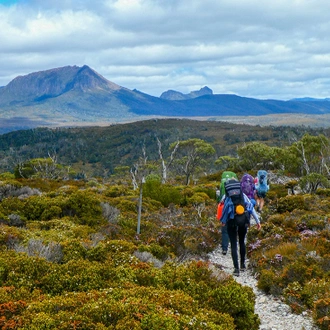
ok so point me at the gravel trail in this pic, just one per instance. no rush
(273, 313)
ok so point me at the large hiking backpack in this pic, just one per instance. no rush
(226, 175)
(247, 185)
(234, 192)
(262, 185)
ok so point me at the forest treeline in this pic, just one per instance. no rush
(98, 151)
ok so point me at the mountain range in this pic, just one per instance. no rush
(75, 96)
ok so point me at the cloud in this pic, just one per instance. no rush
(271, 49)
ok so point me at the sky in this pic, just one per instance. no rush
(270, 49)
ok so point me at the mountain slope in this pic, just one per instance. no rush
(72, 96)
(92, 149)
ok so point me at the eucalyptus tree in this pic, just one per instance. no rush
(45, 168)
(313, 155)
(191, 155)
(255, 155)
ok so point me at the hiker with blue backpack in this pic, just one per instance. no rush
(262, 187)
(235, 217)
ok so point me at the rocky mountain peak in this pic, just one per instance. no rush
(177, 96)
(51, 83)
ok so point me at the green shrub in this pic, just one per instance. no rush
(116, 191)
(24, 271)
(73, 250)
(314, 290)
(270, 282)
(164, 193)
(289, 203)
(159, 321)
(238, 302)
(160, 252)
(293, 296)
(12, 205)
(301, 271)
(84, 207)
(324, 192)
(10, 236)
(125, 204)
(277, 219)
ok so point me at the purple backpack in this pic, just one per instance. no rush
(247, 185)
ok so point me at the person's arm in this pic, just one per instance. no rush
(253, 211)
(227, 211)
(255, 216)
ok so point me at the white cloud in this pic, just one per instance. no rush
(270, 49)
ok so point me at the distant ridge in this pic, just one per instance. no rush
(177, 96)
(310, 99)
(75, 96)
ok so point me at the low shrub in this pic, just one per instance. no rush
(237, 302)
(321, 313)
(270, 282)
(289, 203)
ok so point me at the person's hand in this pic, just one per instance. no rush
(223, 224)
(258, 226)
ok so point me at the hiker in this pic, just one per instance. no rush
(226, 175)
(236, 217)
(262, 188)
(224, 233)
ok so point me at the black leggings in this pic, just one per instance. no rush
(233, 231)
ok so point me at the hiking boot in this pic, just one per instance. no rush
(236, 272)
(243, 267)
(224, 252)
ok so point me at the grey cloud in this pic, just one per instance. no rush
(266, 49)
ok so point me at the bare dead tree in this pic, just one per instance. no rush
(163, 163)
(164, 167)
(173, 154)
(301, 149)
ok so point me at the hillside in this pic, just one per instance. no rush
(76, 96)
(99, 150)
(70, 256)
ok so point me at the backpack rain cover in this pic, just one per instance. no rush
(247, 185)
(226, 175)
(262, 186)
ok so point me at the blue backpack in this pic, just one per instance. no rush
(262, 185)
